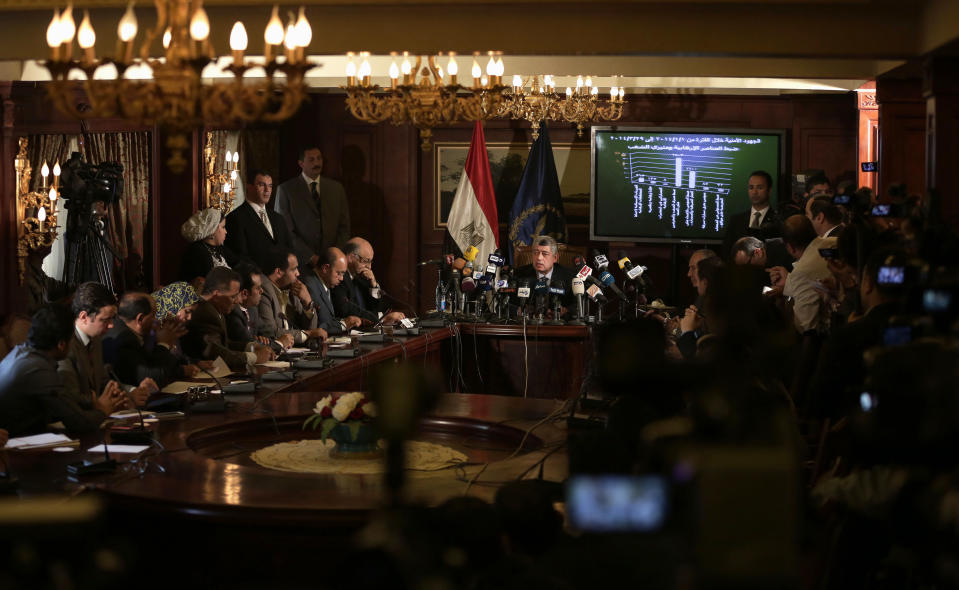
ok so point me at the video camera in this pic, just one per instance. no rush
(82, 182)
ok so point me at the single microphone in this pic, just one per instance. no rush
(523, 292)
(458, 264)
(596, 294)
(541, 291)
(496, 257)
(470, 253)
(139, 436)
(599, 261)
(632, 271)
(467, 285)
(468, 268)
(557, 290)
(578, 289)
(608, 280)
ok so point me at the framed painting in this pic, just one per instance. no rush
(507, 161)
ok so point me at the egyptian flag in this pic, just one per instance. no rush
(472, 220)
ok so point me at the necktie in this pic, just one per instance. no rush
(266, 222)
(316, 199)
(756, 217)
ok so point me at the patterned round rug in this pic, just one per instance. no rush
(313, 456)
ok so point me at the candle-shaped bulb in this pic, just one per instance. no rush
(350, 66)
(579, 82)
(236, 157)
(67, 27)
(53, 196)
(274, 29)
(491, 67)
(42, 214)
(500, 68)
(569, 92)
(56, 168)
(226, 187)
(406, 67)
(127, 29)
(238, 37)
(451, 66)
(86, 36)
(167, 37)
(589, 81)
(613, 93)
(594, 91)
(476, 71)
(53, 31)
(289, 39)
(365, 69)
(547, 80)
(517, 81)
(484, 81)
(200, 25)
(394, 71)
(44, 170)
(304, 32)
(233, 174)
(621, 93)
(439, 72)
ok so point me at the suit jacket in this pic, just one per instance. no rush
(83, 371)
(207, 337)
(241, 327)
(737, 226)
(32, 396)
(323, 304)
(275, 320)
(133, 362)
(311, 235)
(246, 235)
(353, 296)
(560, 273)
(197, 260)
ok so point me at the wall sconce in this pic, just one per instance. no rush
(220, 185)
(36, 210)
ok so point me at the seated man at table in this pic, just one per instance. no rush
(207, 337)
(359, 294)
(84, 372)
(545, 257)
(286, 307)
(31, 389)
(329, 272)
(124, 346)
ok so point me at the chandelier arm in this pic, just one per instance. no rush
(148, 38)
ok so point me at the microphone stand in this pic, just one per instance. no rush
(141, 436)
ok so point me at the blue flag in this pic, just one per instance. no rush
(538, 207)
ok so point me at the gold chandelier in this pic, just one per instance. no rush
(580, 107)
(36, 210)
(170, 91)
(424, 98)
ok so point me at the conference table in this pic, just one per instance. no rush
(199, 479)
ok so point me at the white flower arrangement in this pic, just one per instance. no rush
(352, 409)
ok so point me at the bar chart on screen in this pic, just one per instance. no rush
(682, 190)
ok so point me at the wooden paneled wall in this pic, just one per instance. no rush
(389, 179)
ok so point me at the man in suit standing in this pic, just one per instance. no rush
(326, 276)
(252, 230)
(760, 221)
(315, 209)
(83, 370)
(359, 293)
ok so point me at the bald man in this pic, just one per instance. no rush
(321, 280)
(359, 293)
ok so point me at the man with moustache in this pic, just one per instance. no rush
(315, 209)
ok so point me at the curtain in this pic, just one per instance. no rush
(128, 214)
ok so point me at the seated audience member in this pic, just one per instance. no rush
(31, 387)
(826, 217)
(206, 232)
(836, 386)
(358, 294)
(693, 324)
(329, 272)
(124, 346)
(804, 283)
(207, 336)
(241, 323)
(286, 307)
(693, 271)
(760, 253)
(83, 370)
(176, 299)
(253, 229)
(545, 265)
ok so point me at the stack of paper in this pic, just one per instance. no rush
(46, 440)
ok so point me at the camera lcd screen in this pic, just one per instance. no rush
(897, 336)
(841, 200)
(617, 503)
(880, 211)
(891, 275)
(936, 300)
(829, 252)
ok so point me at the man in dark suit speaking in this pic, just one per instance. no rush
(545, 255)
(760, 220)
(315, 209)
(252, 230)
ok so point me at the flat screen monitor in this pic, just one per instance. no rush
(676, 185)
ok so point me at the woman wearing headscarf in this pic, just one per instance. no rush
(175, 304)
(206, 232)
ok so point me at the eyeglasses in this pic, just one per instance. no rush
(362, 259)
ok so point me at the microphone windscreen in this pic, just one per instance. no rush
(468, 285)
(459, 263)
(578, 287)
(470, 253)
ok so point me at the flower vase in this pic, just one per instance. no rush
(364, 446)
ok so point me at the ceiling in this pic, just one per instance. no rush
(724, 46)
